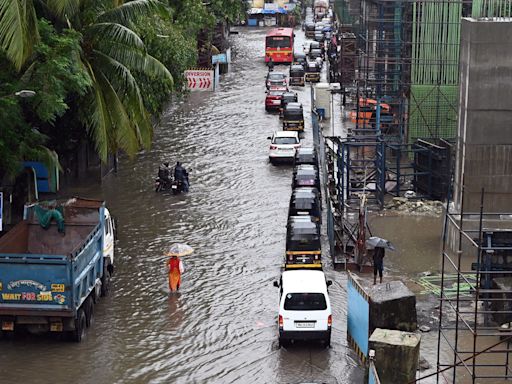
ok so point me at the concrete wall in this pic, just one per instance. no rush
(484, 147)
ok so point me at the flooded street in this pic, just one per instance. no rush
(222, 326)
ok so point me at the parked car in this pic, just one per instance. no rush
(276, 80)
(283, 145)
(273, 100)
(304, 306)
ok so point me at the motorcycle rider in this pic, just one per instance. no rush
(181, 174)
(164, 173)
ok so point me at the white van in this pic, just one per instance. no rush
(304, 306)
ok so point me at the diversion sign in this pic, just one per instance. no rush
(200, 79)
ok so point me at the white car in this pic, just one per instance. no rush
(283, 145)
(304, 306)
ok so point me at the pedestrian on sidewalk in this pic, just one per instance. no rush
(378, 264)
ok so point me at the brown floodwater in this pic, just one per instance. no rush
(222, 325)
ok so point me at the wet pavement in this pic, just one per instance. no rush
(222, 326)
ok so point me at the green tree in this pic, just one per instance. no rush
(174, 48)
(112, 109)
(18, 140)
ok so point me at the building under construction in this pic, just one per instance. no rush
(407, 63)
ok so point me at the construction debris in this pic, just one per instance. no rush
(415, 206)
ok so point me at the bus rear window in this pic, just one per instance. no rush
(305, 302)
(278, 42)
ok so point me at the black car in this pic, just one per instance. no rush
(305, 155)
(306, 175)
(303, 248)
(293, 117)
(297, 74)
(305, 201)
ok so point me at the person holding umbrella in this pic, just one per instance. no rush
(378, 264)
(378, 244)
(175, 265)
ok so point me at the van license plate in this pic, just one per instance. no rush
(309, 324)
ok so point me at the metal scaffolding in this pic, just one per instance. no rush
(475, 333)
(408, 64)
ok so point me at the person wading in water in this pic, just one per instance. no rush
(175, 270)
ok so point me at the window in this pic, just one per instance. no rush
(278, 42)
(285, 140)
(305, 302)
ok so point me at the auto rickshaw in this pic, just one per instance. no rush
(312, 72)
(306, 175)
(305, 155)
(303, 248)
(305, 201)
(287, 97)
(310, 29)
(299, 58)
(293, 117)
(297, 75)
(315, 53)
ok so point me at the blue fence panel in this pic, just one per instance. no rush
(373, 376)
(358, 322)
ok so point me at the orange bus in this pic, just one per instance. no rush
(279, 45)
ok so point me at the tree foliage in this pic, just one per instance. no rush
(100, 66)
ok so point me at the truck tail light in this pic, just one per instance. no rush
(329, 321)
(281, 321)
(7, 325)
(316, 257)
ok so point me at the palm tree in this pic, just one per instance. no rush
(112, 110)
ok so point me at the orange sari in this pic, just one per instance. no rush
(174, 274)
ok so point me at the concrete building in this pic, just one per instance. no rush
(484, 140)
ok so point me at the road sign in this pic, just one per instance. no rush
(200, 79)
(220, 58)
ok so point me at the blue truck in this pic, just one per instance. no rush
(54, 267)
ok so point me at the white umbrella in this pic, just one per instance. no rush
(179, 249)
(378, 242)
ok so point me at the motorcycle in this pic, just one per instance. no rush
(176, 186)
(162, 185)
